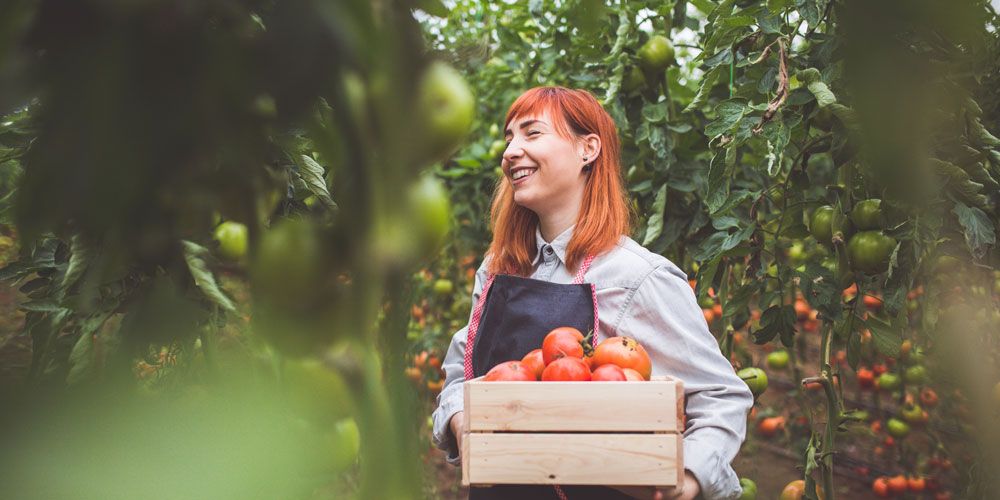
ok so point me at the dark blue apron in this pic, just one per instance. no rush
(516, 315)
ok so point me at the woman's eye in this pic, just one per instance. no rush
(533, 132)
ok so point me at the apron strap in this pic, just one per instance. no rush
(477, 314)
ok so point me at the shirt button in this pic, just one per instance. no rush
(548, 250)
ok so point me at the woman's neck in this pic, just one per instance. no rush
(554, 225)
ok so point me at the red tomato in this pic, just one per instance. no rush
(866, 378)
(928, 397)
(770, 426)
(566, 369)
(898, 484)
(564, 341)
(509, 371)
(916, 484)
(609, 373)
(624, 352)
(881, 487)
(632, 375)
(534, 363)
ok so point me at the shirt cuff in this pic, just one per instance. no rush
(450, 403)
(717, 480)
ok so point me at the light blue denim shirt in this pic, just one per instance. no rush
(645, 296)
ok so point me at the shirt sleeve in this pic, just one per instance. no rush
(452, 397)
(663, 315)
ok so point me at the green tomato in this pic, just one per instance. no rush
(286, 267)
(344, 442)
(497, 148)
(913, 414)
(915, 375)
(232, 238)
(821, 224)
(634, 80)
(443, 287)
(315, 392)
(431, 208)
(870, 251)
(447, 105)
(656, 54)
(749, 489)
(777, 360)
(867, 214)
(897, 428)
(755, 378)
(888, 381)
(797, 253)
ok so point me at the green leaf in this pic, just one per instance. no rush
(707, 82)
(775, 320)
(979, 232)
(79, 258)
(433, 7)
(654, 113)
(81, 359)
(194, 255)
(824, 97)
(886, 337)
(718, 183)
(313, 176)
(809, 12)
(738, 21)
(729, 113)
(655, 224)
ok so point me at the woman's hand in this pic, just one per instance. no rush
(687, 490)
(457, 427)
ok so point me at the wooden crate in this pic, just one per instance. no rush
(594, 433)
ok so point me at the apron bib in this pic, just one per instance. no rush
(511, 319)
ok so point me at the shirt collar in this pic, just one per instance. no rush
(558, 244)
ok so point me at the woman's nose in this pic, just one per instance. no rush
(512, 152)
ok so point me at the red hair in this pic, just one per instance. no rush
(604, 212)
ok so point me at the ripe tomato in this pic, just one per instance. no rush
(632, 375)
(770, 426)
(564, 341)
(795, 490)
(624, 352)
(866, 378)
(566, 369)
(881, 487)
(872, 302)
(534, 363)
(916, 484)
(928, 397)
(509, 371)
(608, 373)
(898, 484)
(802, 309)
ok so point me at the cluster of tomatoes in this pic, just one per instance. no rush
(886, 487)
(567, 355)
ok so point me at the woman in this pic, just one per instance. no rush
(560, 216)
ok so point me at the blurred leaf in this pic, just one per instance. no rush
(979, 232)
(655, 224)
(194, 255)
(886, 337)
(313, 175)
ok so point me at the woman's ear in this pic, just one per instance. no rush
(590, 145)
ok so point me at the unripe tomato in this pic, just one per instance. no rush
(867, 214)
(777, 360)
(314, 391)
(232, 238)
(447, 106)
(915, 375)
(443, 287)
(897, 428)
(821, 224)
(888, 381)
(749, 489)
(430, 209)
(566, 369)
(755, 378)
(655, 55)
(869, 251)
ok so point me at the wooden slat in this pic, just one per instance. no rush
(653, 406)
(594, 459)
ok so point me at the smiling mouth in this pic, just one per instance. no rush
(522, 173)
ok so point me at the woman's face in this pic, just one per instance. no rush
(553, 165)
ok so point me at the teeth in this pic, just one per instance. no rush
(522, 173)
